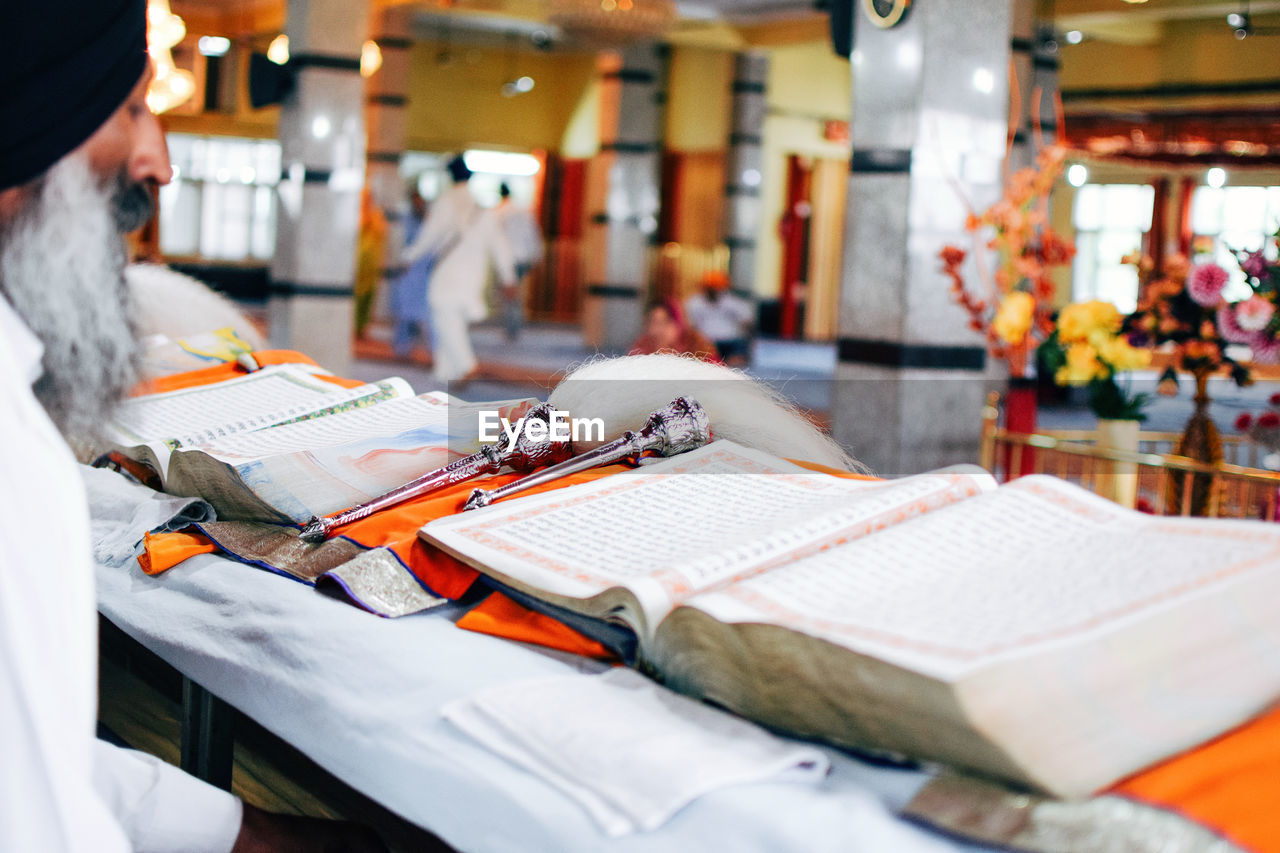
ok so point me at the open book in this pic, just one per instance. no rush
(281, 444)
(1033, 632)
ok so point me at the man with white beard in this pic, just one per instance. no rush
(80, 155)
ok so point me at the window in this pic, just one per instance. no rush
(1231, 219)
(1110, 221)
(221, 203)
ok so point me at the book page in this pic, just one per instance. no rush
(267, 397)
(428, 412)
(685, 524)
(1037, 561)
(321, 466)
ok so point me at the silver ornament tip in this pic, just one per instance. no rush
(479, 498)
(314, 531)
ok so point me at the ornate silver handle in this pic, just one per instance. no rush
(522, 455)
(680, 426)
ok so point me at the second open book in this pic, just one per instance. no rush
(1034, 632)
(285, 444)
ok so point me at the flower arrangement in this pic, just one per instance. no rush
(1183, 306)
(1088, 349)
(1254, 321)
(1016, 310)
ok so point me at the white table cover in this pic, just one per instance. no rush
(362, 697)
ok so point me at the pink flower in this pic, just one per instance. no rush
(1243, 421)
(1254, 313)
(1265, 350)
(1275, 399)
(1230, 328)
(1254, 264)
(1205, 284)
(1268, 420)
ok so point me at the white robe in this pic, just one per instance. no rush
(466, 239)
(61, 789)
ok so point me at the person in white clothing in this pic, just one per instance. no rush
(521, 229)
(723, 317)
(80, 159)
(463, 239)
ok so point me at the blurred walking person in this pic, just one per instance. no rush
(369, 252)
(463, 240)
(522, 232)
(408, 301)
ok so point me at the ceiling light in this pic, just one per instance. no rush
(278, 50)
(501, 162)
(1216, 177)
(370, 58)
(518, 86)
(213, 45)
(1074, 36)
(1077, 175)
(170, 86)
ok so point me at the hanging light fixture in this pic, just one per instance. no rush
(278, 50)
(613, 20)
(171, 85)
(370, 58)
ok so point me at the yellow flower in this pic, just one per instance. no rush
(1013, 318)
(1078, 320)
(1081, 367)
(1118, 353)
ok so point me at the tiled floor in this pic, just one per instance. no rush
(801, 370)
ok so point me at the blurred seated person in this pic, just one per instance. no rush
(666, 330)
(723, 317)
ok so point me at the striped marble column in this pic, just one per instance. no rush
(633, 99)
(744, 168)
(386, 105)
(1034, 53)
(928, 128)
(322, 144)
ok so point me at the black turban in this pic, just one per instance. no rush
(65, 67)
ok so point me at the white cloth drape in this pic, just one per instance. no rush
(60, 788)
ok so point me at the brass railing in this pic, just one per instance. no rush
(1163, 480)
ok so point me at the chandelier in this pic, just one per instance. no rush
(613, 20)
(170, 85)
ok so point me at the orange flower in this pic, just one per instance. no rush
(1176, 267)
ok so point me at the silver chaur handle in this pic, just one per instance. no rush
(680, 426)
(522, 455)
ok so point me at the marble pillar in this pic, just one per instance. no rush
(1034, 53)
(322, 143)
(744, 169)
(387, 100)
(929, 124)
(630, 161)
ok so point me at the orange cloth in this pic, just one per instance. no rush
(499, 616)
(834, 472)
(230, 370)
(1230, 784)
(163, 551)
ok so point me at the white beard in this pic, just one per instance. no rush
(61, 268)
(623, 391)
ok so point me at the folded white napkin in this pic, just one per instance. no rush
(632, 753)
